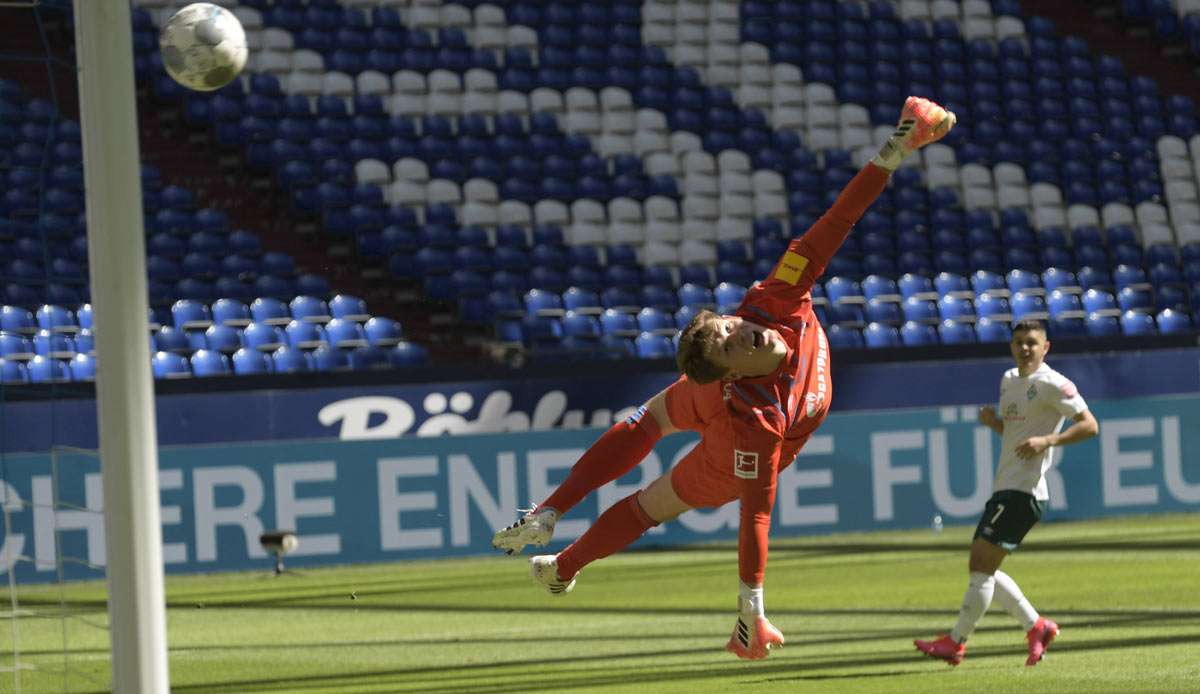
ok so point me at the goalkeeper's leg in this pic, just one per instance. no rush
(618, 527)
(615, 453)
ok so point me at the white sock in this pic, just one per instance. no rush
(975, 603)
(1010, 597)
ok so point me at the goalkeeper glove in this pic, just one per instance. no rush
(753, 635)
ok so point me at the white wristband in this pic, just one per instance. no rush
(750, 601)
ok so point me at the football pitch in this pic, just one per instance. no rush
(1125, 592)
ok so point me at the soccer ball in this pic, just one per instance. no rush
(203, 46)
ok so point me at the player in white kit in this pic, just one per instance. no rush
(1035, 400)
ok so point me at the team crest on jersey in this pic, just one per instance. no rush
(1010, 411)
(745, 464)
(791, 266)
(1032, 392)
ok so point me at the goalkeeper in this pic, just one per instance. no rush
(755, 385)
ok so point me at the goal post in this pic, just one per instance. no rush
(124, 388)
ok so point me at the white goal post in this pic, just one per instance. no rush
(124, 388)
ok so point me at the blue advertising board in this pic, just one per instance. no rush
(423, 497)
(580, 400)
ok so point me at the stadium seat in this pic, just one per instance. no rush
(170, 365)
(953, 332)
(653, 346)
(327, 358)
(914, 333)
(878, 335)
(1138, 323)
(988, 329)
(1100, 325)
(209, 363)
(250, 361)
(845, 337)
(1172, 322)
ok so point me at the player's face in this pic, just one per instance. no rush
(1029, 348)
(745, 348)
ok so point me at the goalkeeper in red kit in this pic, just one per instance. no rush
(755, 385)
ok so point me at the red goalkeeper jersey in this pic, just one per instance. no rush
(752, 428)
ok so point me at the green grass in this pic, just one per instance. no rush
(1124, 592)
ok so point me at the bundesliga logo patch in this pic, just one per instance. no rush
(745, 464)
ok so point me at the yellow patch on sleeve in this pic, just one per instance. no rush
(791, 266)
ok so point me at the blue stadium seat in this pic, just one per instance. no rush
(652, 346)
(843, 290)
(1055, 278)
(344, 333)
(287, 359)
(82, 367)
(656, 321)
(1138, 323)
(17, 319)
(659, 297)
(728, 295)
(620, 299)
(917, 286)
(56, 318)
(169, 339)
(221, 338)
(990, 330)
(309, 309)
(1028, 306)
(14, 347)
(405, 354)
(383, 332)
(13, 372)
(304, 335)
(844, 336)
(620, 323)
(170, 365)
(260, 336)
(327, 358)
(883, 311)
(920, 310)
(54, 345)
(229, 311)
(1099, 325)
(947, 282)
(956, 307)
(1172, 322)
(209, 363)
(270, 310)
(878, 286)
(696, 295)
(583, 301)
(1098, 300)
(880, 335)
(542, 302)
(618, 347)
(249, 361)
(1064, 305)
(580, 326)
(1093, 276)
(1131, 299)
(914, 333)
(953, 332)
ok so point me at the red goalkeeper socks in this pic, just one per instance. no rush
(616, 528)
(615, 453)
